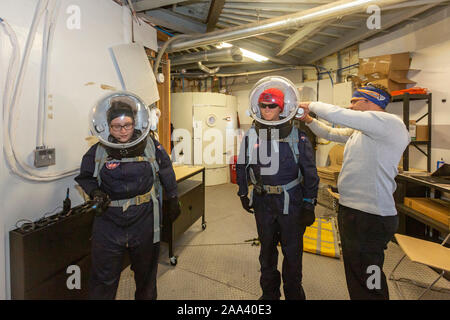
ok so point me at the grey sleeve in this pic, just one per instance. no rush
(370, 123)
(321, 130)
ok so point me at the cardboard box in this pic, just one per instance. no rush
(384, 64)
(422, 132)
(393, 85)
(395, 75)
(438, 210)
(390, 84)
(390, 71)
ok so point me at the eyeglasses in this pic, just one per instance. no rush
(118, 127)
(271, 106)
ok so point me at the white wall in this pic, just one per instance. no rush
(79, 65)
(428, 40)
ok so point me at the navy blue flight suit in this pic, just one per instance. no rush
(273, 226)
(115, 231)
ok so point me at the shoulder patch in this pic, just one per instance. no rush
(111, 165)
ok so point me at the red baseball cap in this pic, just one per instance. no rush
(272, 95)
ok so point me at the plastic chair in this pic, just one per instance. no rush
(330, 173)
(424, 252)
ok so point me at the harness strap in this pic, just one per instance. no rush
(100, 159)
(136, 201)
(156, 191)
(141, 199)
(286, 187)
(253, 180)
(154, 195)
(252, 176)
(283, 189)
(135, 159)
(252, 139)
(293, 140)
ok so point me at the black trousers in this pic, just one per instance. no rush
(364, 237)
(273, 228)
(109, 244)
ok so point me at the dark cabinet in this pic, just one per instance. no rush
(191, 194)
(39, 258)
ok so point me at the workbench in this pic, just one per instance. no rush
(191, 194)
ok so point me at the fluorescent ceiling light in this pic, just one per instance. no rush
(224, 45)
(245, 53)
(254, 56)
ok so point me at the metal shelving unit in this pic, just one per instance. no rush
(406, 98)
(411, 221)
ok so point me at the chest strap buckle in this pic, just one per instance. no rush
(273, 189)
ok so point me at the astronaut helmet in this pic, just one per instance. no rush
(271, 92)
(121, 121)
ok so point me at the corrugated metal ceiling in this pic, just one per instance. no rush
(282, 47)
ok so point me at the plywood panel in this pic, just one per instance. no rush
(145, 34)
(164, 105)
(135, 71)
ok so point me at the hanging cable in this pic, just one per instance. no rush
(13, 86)
(50, 17)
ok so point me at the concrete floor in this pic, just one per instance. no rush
(218, 264)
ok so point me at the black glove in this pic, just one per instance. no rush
(102, 200)
(246, 204)
(173, 208)
(307, 216)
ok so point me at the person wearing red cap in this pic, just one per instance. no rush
(271, 104)
(282, 201)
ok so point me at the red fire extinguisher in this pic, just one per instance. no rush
(233, 162)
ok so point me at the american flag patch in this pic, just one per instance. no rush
(111, 165)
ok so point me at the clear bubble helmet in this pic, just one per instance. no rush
(290, 110)
(99, 125)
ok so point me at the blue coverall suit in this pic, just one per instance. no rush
(115, 231)
(273, 226)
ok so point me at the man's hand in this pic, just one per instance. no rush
(246, 204)
(304, 106)
(306, 117)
